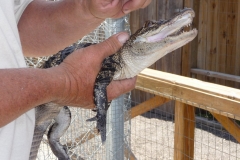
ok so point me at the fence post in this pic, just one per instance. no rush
(115, 115)
(184, 131)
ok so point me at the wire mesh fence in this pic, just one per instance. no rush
(212, 140)
(153, 134)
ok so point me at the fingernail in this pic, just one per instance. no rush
(126, 11)
(122, 37)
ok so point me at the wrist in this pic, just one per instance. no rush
(61, 84)
(68, 87)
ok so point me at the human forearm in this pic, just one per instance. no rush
(23, 89)
(48, 26)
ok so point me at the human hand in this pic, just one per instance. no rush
(113, 8)
(79, 71)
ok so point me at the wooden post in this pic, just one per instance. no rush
(184, 131)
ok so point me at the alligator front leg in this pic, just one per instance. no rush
(101, 101)
(62, 122)
(103, 79)
(102, 105)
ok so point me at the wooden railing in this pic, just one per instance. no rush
(223, 102)
(188, 93)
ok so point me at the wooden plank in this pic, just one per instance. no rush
(208, 96)
(186, 49)
(152, 11)
(231, 39)
(216, 74)
(177, 54)
(237, 62)
(194, 43)
(222, 40)
(229, 125)
(184, 131)
(211, 37)
(202, 34)
(134, 21)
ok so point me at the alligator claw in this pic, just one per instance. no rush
(94, 109)
(92, 119)
(101, 126)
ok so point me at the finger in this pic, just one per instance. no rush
(117, 88)
(135, 4)
(109, 46)
(146, 3)
(104, 8)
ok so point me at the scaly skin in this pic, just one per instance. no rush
(153, 41)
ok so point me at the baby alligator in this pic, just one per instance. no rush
(150, 43)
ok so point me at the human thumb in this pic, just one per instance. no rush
(112, 44)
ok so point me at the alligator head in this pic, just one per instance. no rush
(153, 41)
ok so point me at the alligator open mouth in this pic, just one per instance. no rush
(158, 31)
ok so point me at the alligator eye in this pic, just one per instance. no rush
(152, 23)
(147, 24)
